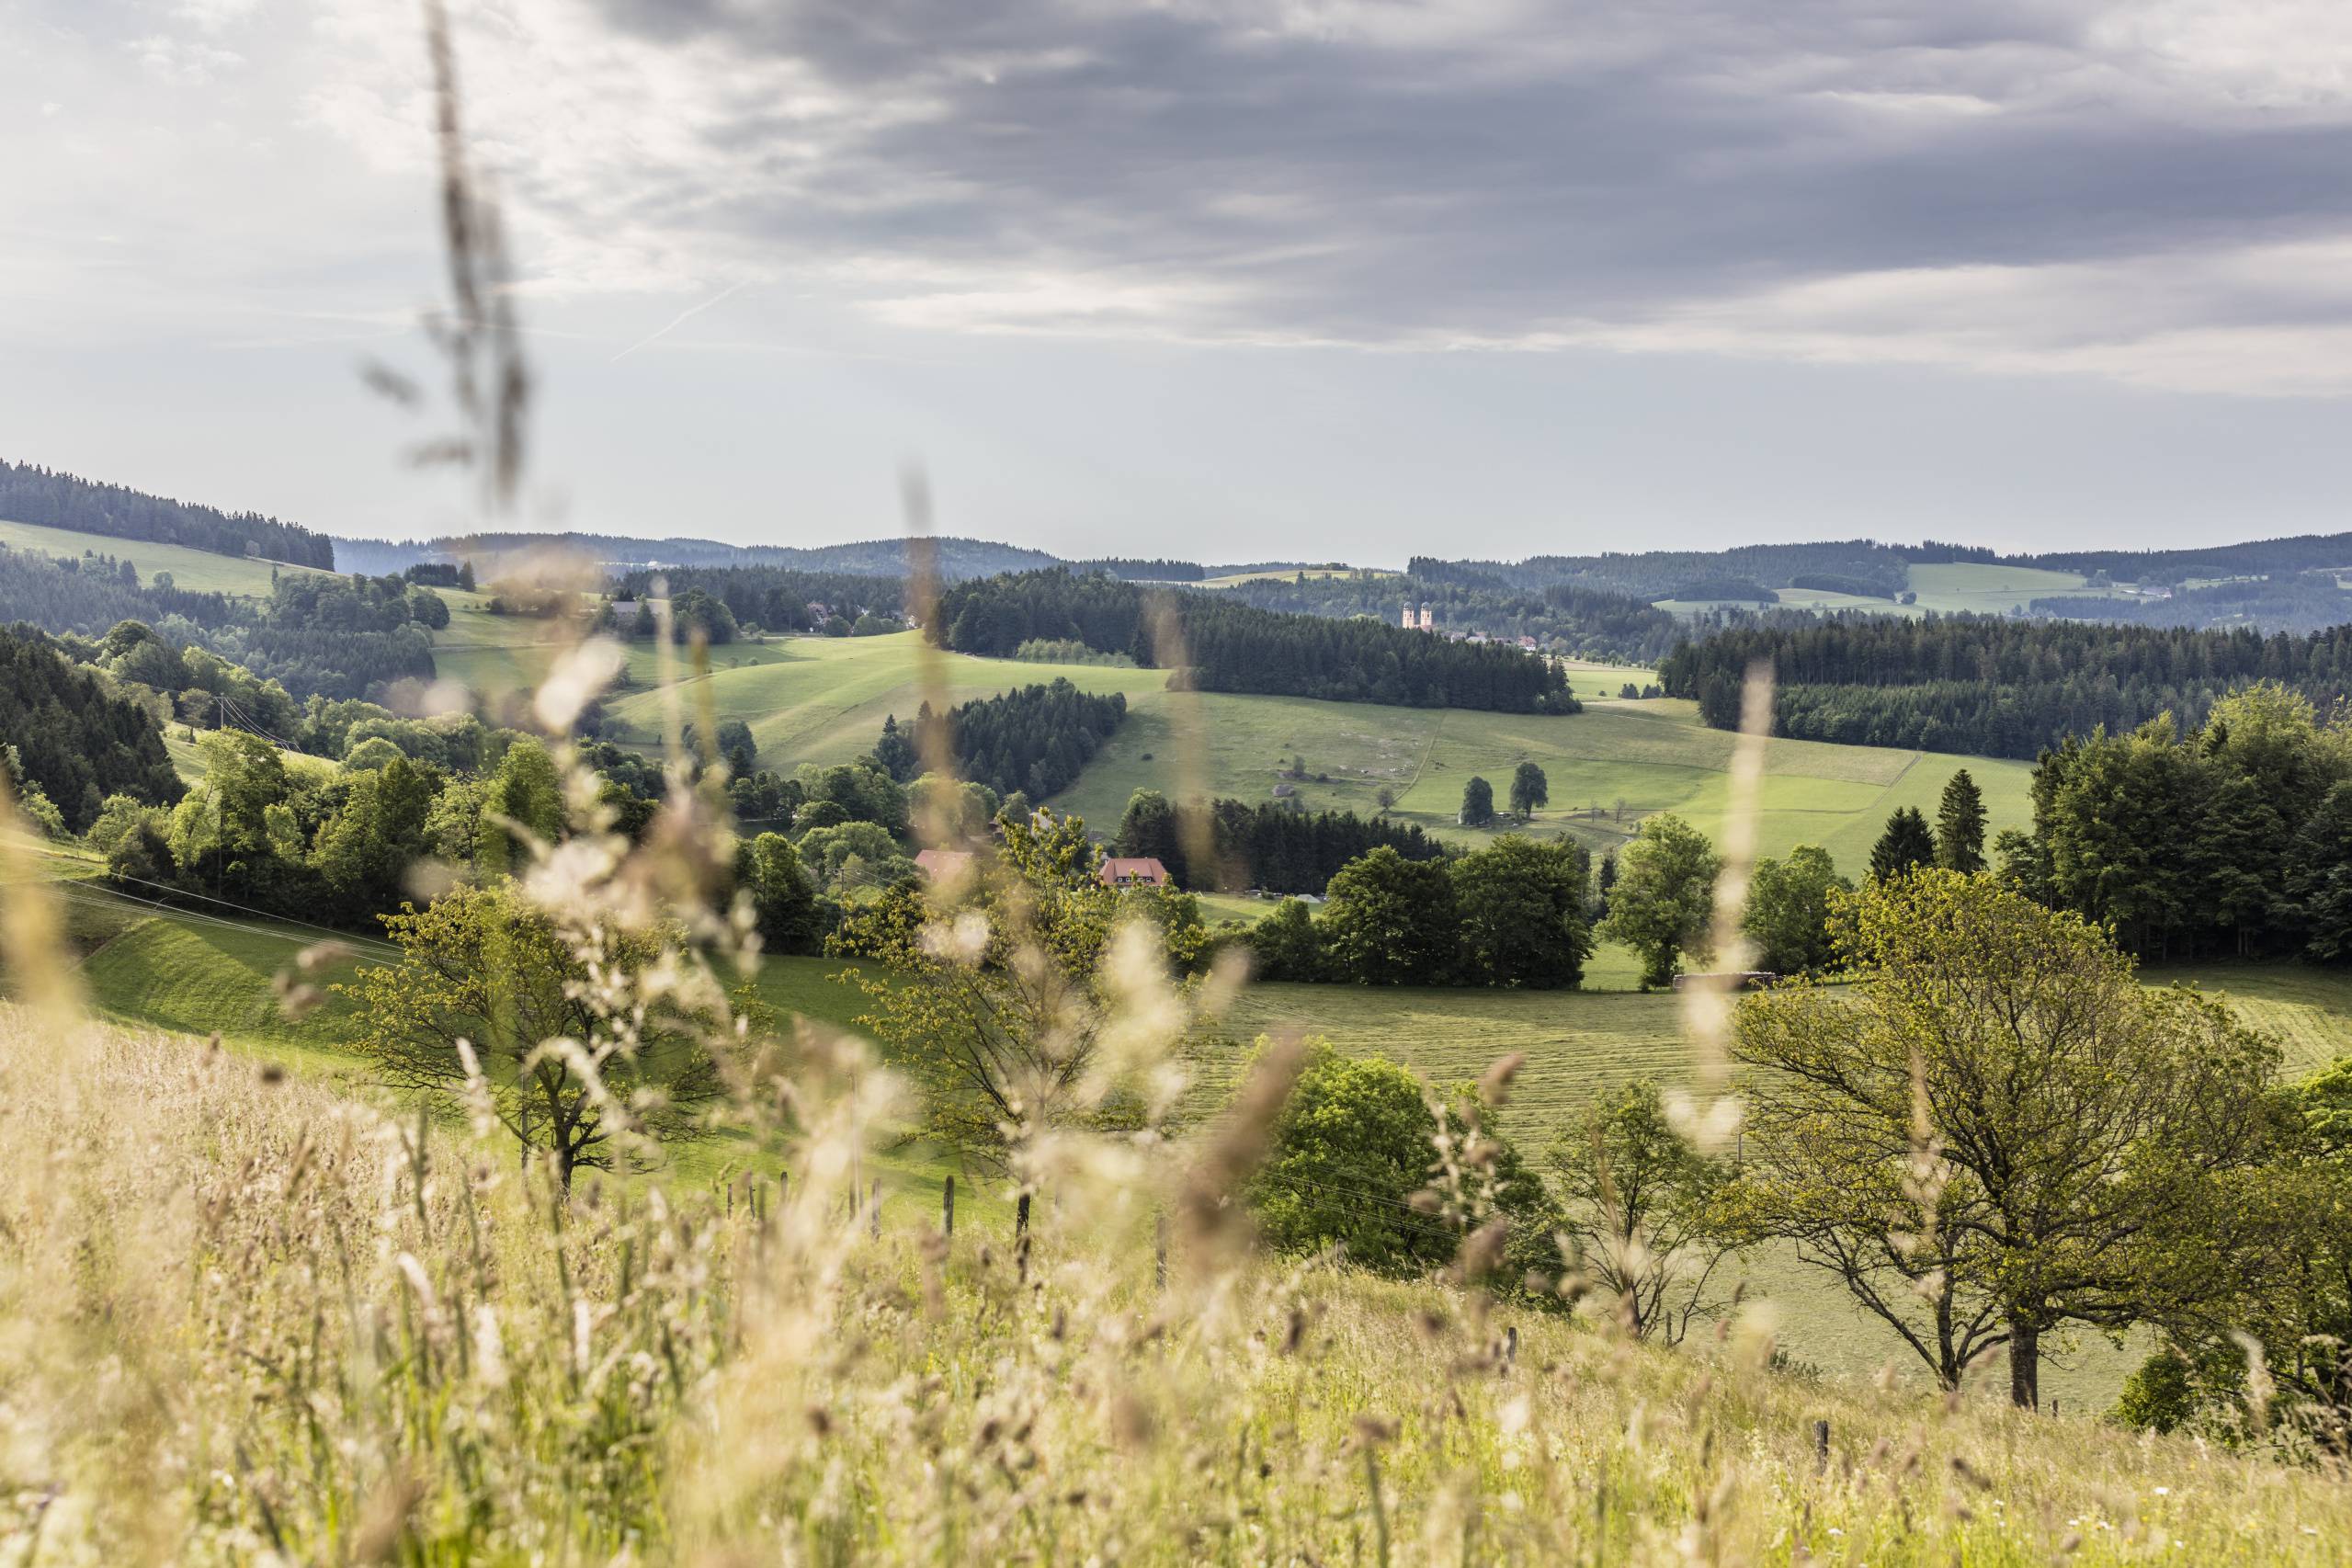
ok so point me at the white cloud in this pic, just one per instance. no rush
(2262, 321)
(181, 60)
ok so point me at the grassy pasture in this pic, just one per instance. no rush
(1654, 754)
(199, 571)
(1990, 589)
(823, 700)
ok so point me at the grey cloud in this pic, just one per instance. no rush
(1337, 181)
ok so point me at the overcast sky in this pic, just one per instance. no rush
(1217, 278)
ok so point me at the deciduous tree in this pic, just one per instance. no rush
(1788, 911)
(1994, 1136)
(1642, 1210)
(485, 972)
(1664, 895)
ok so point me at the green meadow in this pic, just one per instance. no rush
(1653, 755)
(823, 700)
(199, 571)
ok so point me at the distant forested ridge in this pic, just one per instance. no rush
(1883, 569)
(1998, 687)
(956, 557)
(1034, 739)
(72, 737)
(1586, 623)
(59, 500)
(2299, 553)
(2286, 601)
(1267, 846)
(774, 598)
(1233, 646)
(1139, 570)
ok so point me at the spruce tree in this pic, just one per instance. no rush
(1904, 847)
(1960, 826)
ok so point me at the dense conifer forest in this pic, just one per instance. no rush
(1267, 845)
(1232, 646)
(1033, 740)
(71, 737)
(1996, 687)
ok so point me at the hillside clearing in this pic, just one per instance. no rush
(198, 571)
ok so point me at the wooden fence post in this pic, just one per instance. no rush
(1821, 1445)
(874, 1211)
(1160, 1250)
(948, 1208)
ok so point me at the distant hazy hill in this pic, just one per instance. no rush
(958, 558)
(1867, 566)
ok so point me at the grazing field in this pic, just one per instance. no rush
(1990, 589)
(1825, 601)
(1594, 682)
(1653, 755)
(198, 571)
(823, 700)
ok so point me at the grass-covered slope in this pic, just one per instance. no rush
(1653, 755)
(200, 974)
(198, 571)
(352, 1347)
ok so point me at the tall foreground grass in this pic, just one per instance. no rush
(241, 1320)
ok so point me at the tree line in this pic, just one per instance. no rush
(1232, 646)
(1268, 845)
(1993, 687)
(771, 598)
(1033, 740)
(90, 593)
(2301, 601)
(1514, 913)
(56, 499)
(1136, 569)
(2231, 837)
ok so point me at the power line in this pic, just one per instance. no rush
(114, 895)
(248, 909)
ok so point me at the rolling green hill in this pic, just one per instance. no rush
(1950, 587)
(823, 700)
(198, 571)
(1653, 755)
